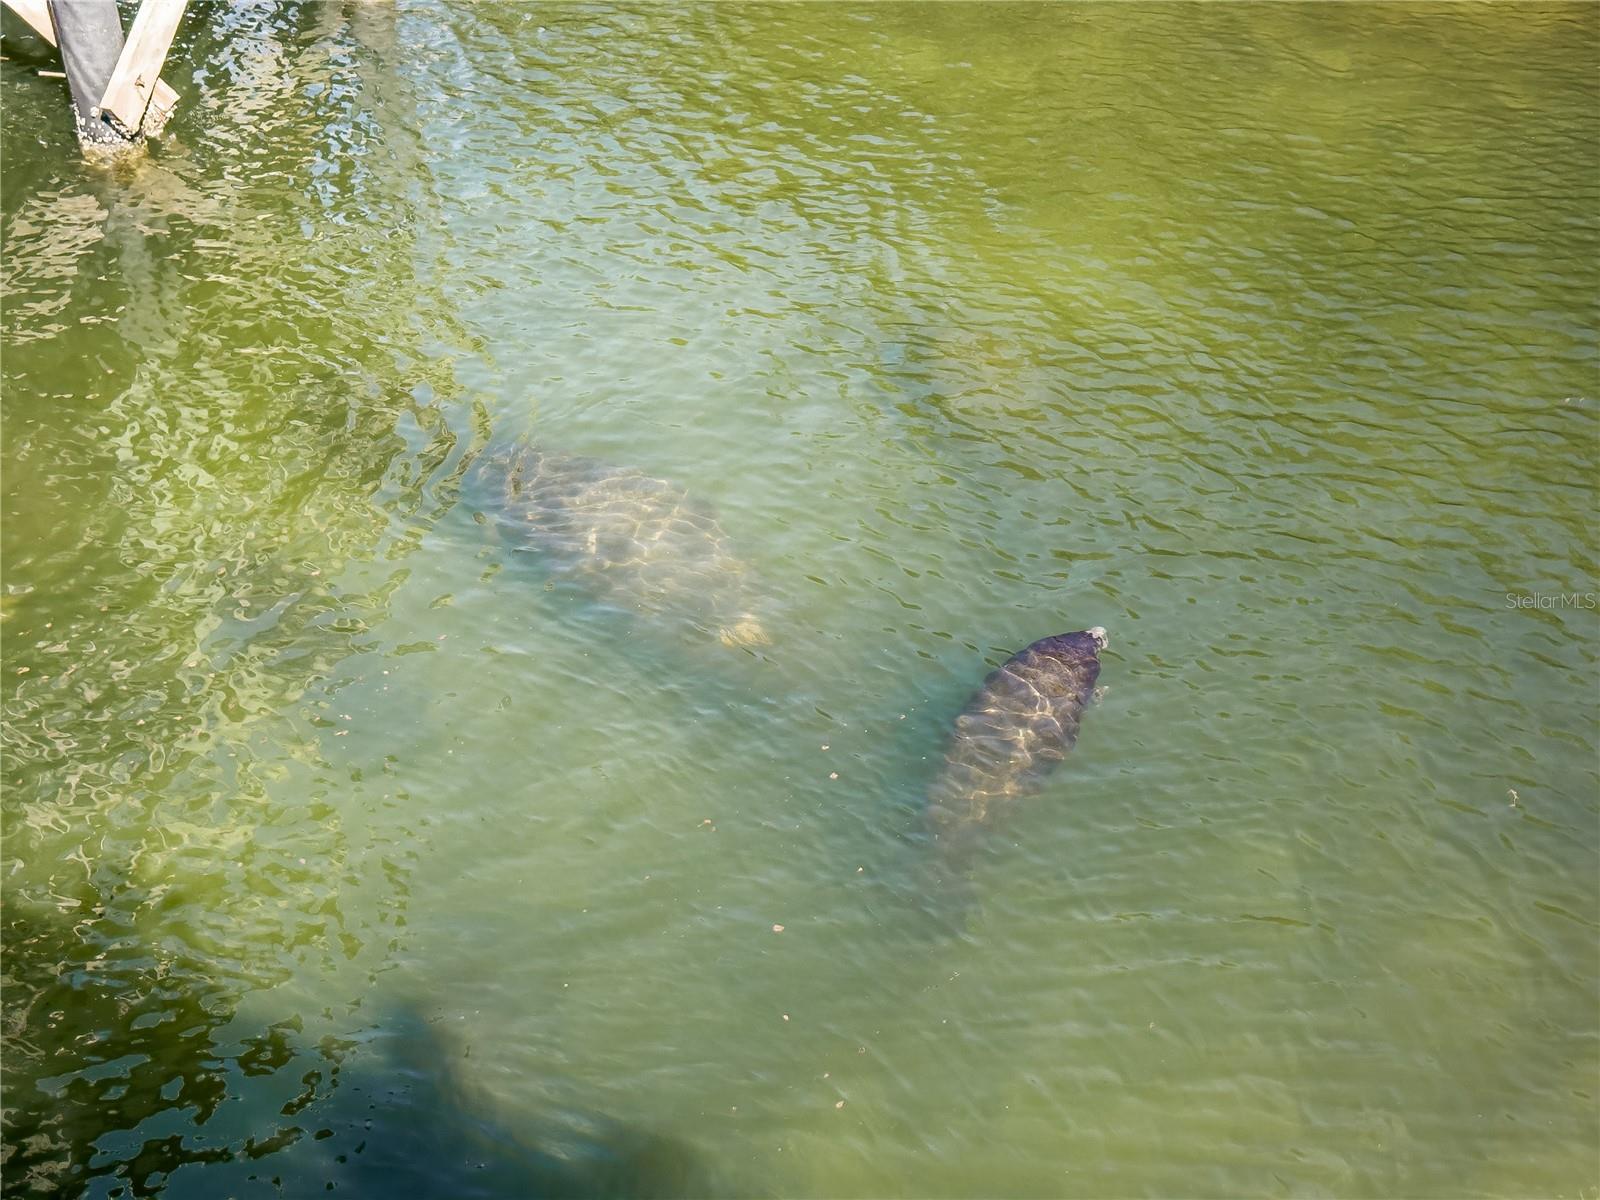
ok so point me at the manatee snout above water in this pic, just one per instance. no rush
(1011, 735)
(622, 537)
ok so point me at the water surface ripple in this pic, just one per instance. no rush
(344, 851)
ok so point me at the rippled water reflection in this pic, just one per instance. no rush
(340, 850)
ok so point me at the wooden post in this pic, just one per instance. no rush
(37, 16)
(89, 34)
(132, 86)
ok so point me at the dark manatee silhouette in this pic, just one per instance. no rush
(1013, 732)
(621, 537)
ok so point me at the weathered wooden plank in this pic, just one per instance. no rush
(162, 102)
(89, 35)
(133, 81)
(37, 15)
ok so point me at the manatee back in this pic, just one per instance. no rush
(1014, 731)
(620, 536)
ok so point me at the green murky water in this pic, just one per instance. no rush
(340, 854)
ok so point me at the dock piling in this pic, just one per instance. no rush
(89, 36)
(37, 17)
(118, 95)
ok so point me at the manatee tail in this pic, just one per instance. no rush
(944, 892)
(954, 909)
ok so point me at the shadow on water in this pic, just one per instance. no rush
(118, 1080)
(412, 1121)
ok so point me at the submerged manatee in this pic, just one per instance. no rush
(622, 537)
(1011, 734)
